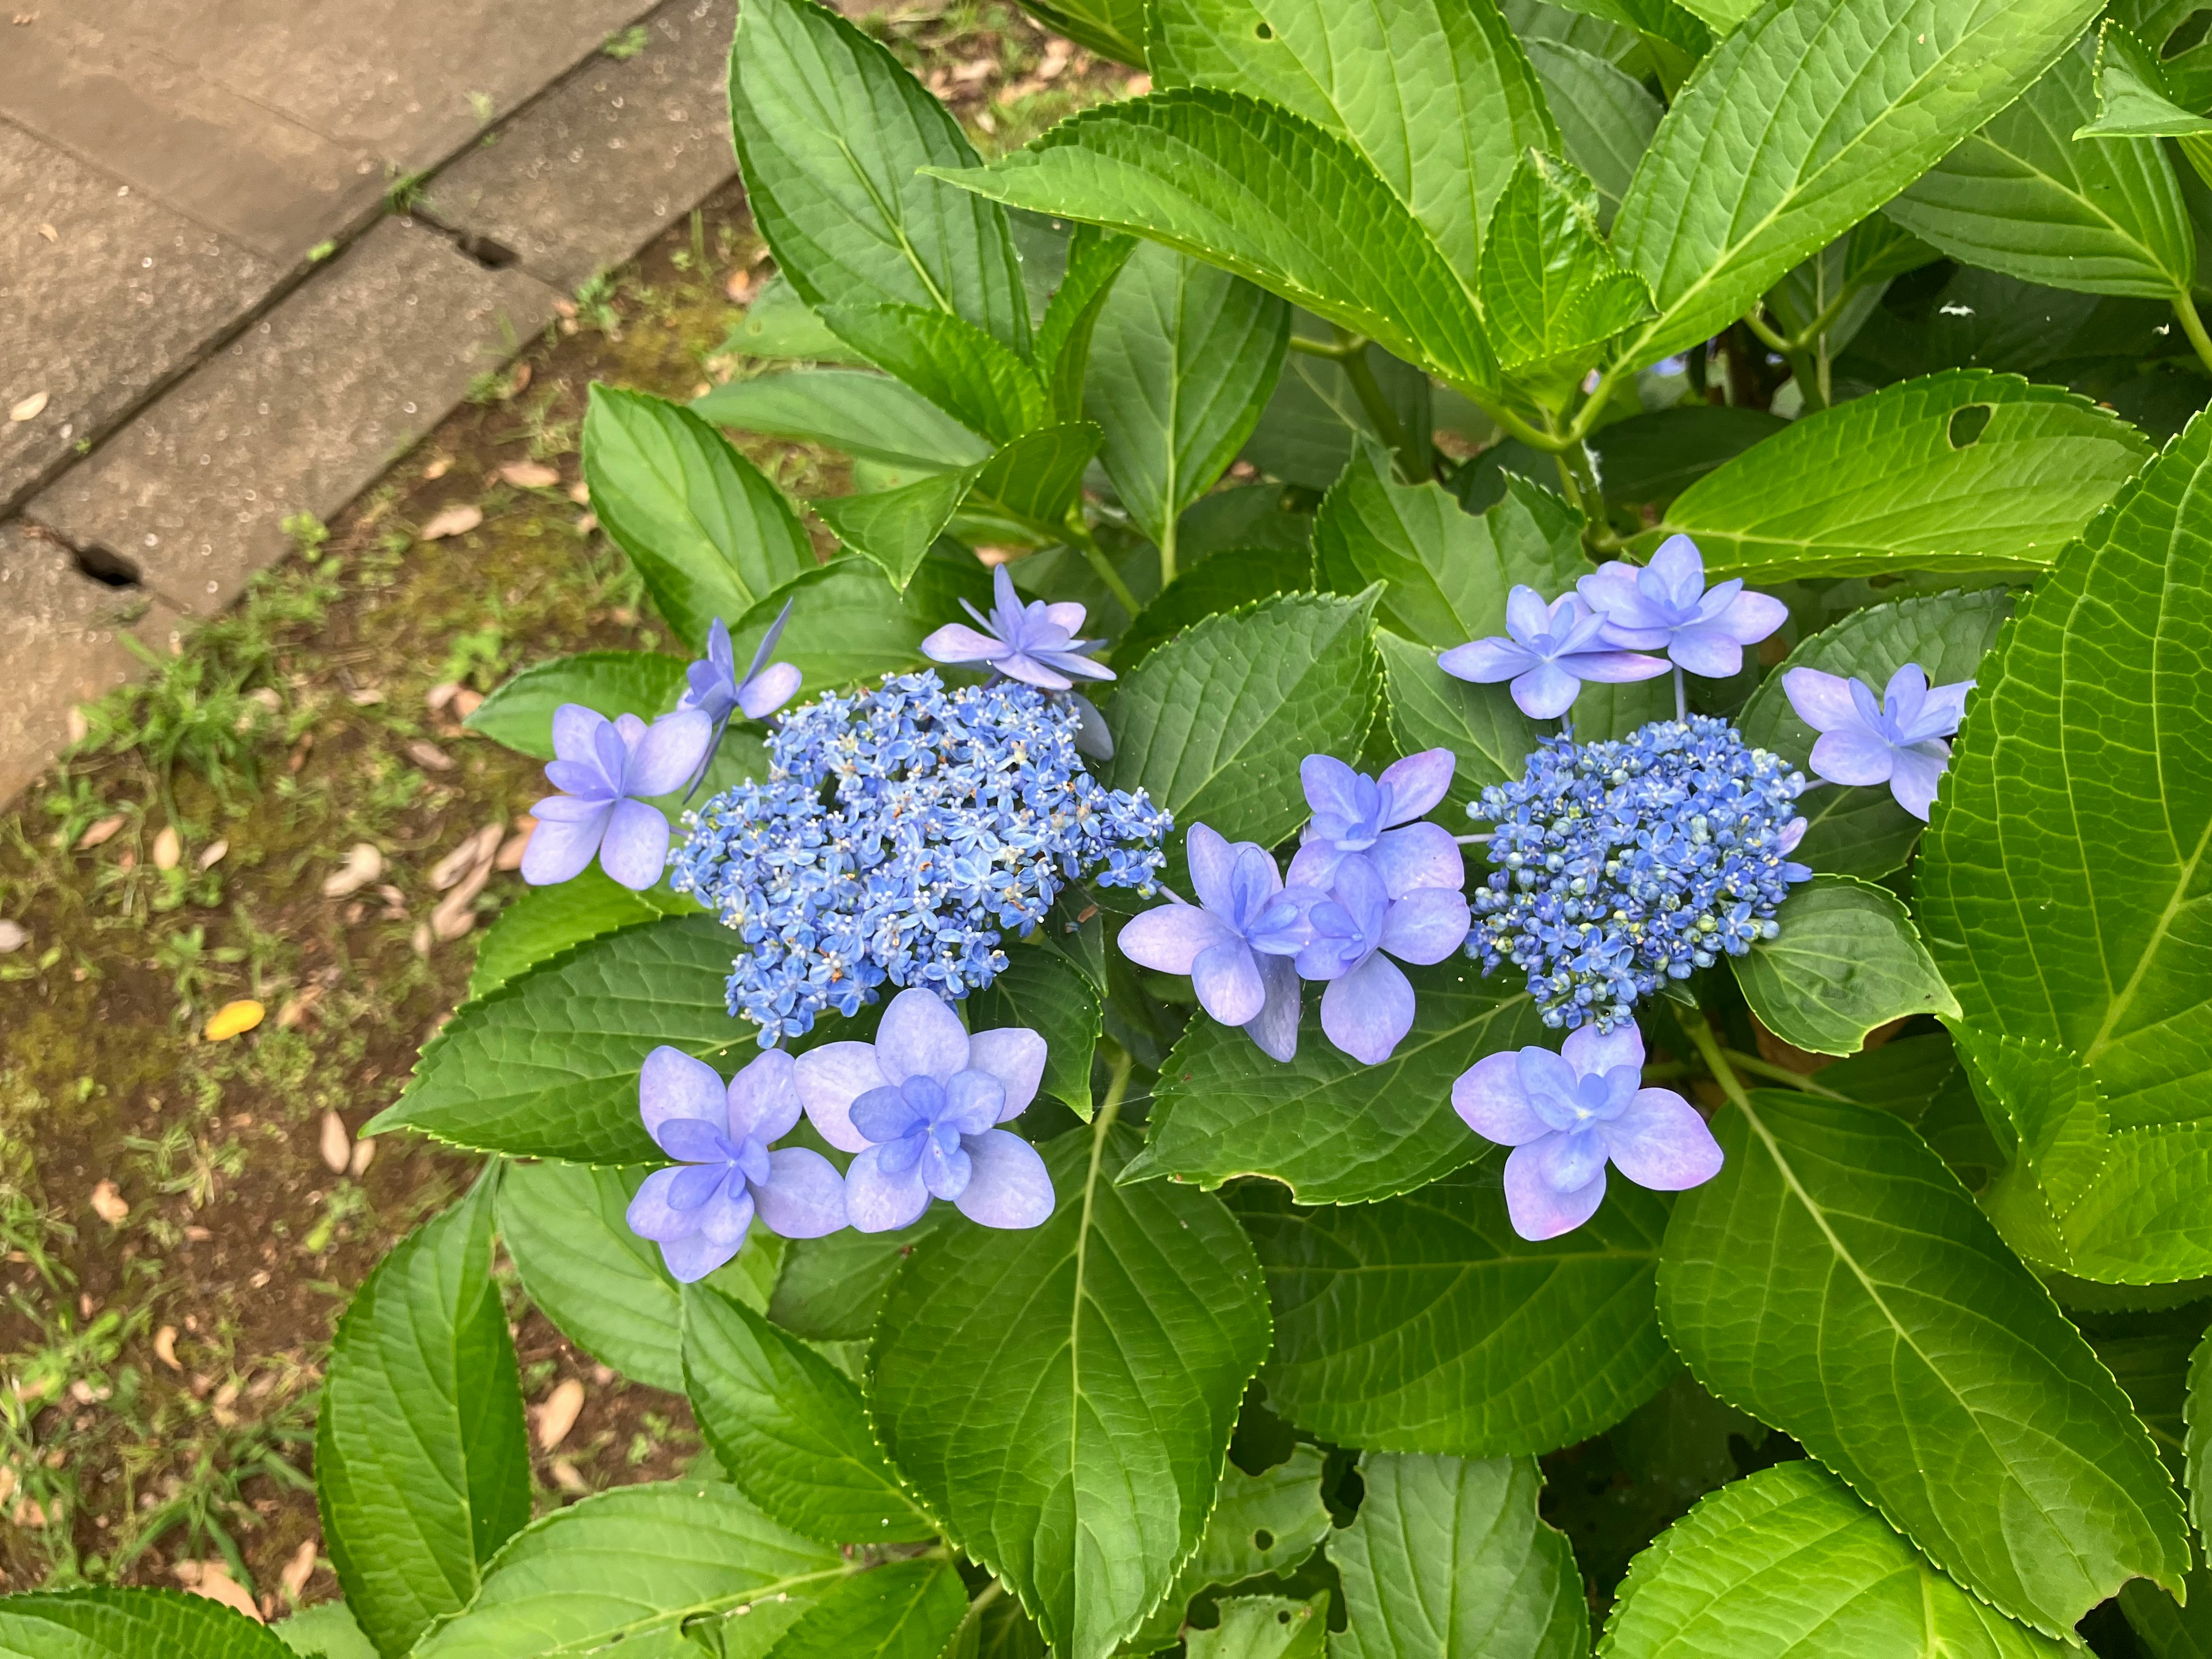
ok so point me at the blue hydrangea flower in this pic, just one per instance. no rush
(1666, 607)
(1237, 942)
(1625, 864)
(606, 771)
(716, 688)
(920, 1106)
(699, 1211)
(1548, 653)
(1899, 741)
(1033, 643)
(1567, 1115)
(900, 832)
(1369, 1006)
(1380, 819)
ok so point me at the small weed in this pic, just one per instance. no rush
(626, 44)
(484, 106)
(406, 193)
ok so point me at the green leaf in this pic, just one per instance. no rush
(1446, 573)
(788, 1429)
(1552, 291)
(1848, 959)
(2047, 1110)
(778, 324)
(1606, 117)
(1864, 832)
(1062, 1398)
(2165, 1630)
(1647, 460)
(2148, 1220)
(1800, 123)
(1261, 1523)
(1183, 358)
(1112, 28)
(1836, 1280)
(1332, 1130)
(831, 1287)
(606, 1288)
(832, 134)
(1063, 341)
(1214, 723)
(1035, 479)
(1228, 580)
(706, 530)
(1264, 195)
(2196, 1443)
(636, 1563)
(546, 920)
(900, 1610)
(1449, 1559)
(897, 527)
(982, 384)
(1787, 1564)
(1424, 1324)
(421, 1466)
(1048, 993)
(547, 1065)
(2062, 884)
(519, 713)
(1264, 1627)
(1961, 471)
(1436, 95)
(850, 625)
(868, 415)
(1490, 739)
(2023, 196)
(1314, 424)
(107, 1622)
(2133, 98)
(326, 1630)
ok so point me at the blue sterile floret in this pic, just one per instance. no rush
(1627, 863)
(900, 832)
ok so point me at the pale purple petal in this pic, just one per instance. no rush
(558, 851)
(768, 690)
(764, 1097)
(829, 1079)
(1031, 671)
(668, 754)
(1545, 691)
(920, 1033)
(1489, 1099)
(804, 1197)
(1486, 661)
(1570, 1162)
(1822, 701)
(652, 1216)
(1067, 615)
(1367, 1012)
(1527, 616)
(1679, 567)
(1416, 783)
(636, 849)
(728, 1213)
(1009, 1186)
(1591, 1052)
(1015, 1055)
(1276, 1029)
(1707, 651)
(570, 809)
(1549, 1083)
(1906, 690)
(1426, 924)
(1614, 667)
(1419, 855)
(576, 733)
(1941, 711)
(1073, 664)
(1914, 775)
(1226, 978)
(1611, 591)
(1330, 785)
(672, 1084)
(972, 1101)
(880, 1203)
(957, 642)
(1314, 865)
(1169, 938)
(1537, 1211)
(691, 1258)
(1750, 617)
(1211, 861)
(1853, 755)
(581, 779)
(1661, 1142)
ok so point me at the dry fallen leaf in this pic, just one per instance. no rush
(424, 753)
(99, 833)
(50, 233)
(216, 1583)
(363, 1151)
(213, 856)
(28, 408)
(530, 475)
(234, 1019)
(363, 864)
(108, 1204)
(465, 858)
(29, 1513)
(581, 492)
(367, 697)
(169, 848)
(511, 849)
(165, 1347)
(440, 694)
(559, 1413)
(338, 1144)
(564, 1476)
(439, 468)
(295, 1010)
(588, 523)
(298, 1570)
(453, 521)
(520, 380)
(13, 936)
(421, 939)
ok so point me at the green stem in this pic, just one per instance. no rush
(1168, 549)
(1079, 534)
(1774, 339)
(2185, 307)
(990, 1592)
(1773, 1073)
(1345, 345)
(1694, 1027)
(1361, 373)
(1117, 1085)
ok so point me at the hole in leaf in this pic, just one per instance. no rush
(1967, 425)
(1263, 30)
(106, 566)
(1283, 1617)
(1263, 1540)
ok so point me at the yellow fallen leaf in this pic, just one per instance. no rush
(234, 1019)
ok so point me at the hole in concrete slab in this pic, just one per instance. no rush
(492, 256)
(106, 566)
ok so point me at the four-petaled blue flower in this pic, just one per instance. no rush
(1897, 741)
(716, 688)
(1356, 929)
(1379, 818)
(1550, 652)
(606, 772)
(1236, 942)
(920, 1105)
(1566, 1115)
(699, 1211)
(1666, 607)
(1035, 643)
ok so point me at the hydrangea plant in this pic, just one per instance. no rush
(1490, 1093)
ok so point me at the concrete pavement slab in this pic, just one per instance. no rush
(300, 414)
(104, 295)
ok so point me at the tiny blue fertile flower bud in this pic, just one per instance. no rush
(1897, 741)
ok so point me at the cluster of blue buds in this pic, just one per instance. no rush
(1625, 864)
(901, 831)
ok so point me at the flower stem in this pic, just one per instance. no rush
(1681, 697)
(2185, 307)
(1701, 1033)
(1361, 374)
(1773, 1073)
(1095, 556)
(1117, 1085)
(990, 1592)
